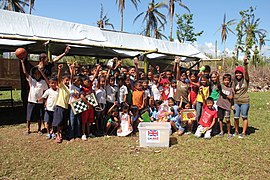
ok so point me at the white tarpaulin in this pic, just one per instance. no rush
(86, 40)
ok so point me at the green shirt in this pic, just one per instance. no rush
(214, 94)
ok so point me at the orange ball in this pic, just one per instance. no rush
(21, 53)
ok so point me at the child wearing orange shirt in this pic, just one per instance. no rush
(138, 95)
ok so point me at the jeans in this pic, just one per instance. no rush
(241, 108)
(74, 125)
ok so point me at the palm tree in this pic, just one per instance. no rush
(262, 40)
(225, 31)
(104, 20)
(153, 18)
(171, 13)
(31, 5)
(121, 7)
(14, 5)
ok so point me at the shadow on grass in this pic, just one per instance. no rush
(12, 115)
(173, 141)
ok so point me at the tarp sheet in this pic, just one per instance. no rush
(31, 31)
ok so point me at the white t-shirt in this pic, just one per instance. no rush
(101, 95)
(36, 90)
(122, 92)
(51, 96)
(156, 92)
(111, 91)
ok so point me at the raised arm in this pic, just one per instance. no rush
(72, 71)
(59, 77)
(176, 67)
(246, 68)
(136, 63)
(24, 69)
(62, 55)
(43, 75)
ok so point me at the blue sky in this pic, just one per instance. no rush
(208, 16)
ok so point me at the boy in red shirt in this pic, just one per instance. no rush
(207, 120)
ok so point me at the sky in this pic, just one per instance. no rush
(207, 16)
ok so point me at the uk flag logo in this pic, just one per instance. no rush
(153, 136)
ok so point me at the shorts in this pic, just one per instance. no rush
(88, 116)
(241, 108)
(48, 117)
(223, 113)
(59, 116)
(35, 111)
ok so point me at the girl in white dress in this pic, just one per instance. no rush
(125, 125)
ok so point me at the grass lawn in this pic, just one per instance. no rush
(33, 157)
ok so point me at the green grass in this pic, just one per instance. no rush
(16, 94)
(33, 157)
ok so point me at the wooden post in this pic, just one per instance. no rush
(49, 54)
(146, 65)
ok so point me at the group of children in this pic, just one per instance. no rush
(125, 95)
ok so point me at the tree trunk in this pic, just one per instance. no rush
(121, 20)
(171, 28)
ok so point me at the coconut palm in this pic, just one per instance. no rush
(31, 6)
(14, 5)
(104, 20)
(225, 31)
(153, 18)
(171, 12)
(121, 7)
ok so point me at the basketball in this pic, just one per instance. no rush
(21, 53)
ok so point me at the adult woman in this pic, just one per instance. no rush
(241, 97)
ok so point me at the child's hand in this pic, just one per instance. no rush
(201, 89)
(177, 59)
(229, 97)
(60, 66)
(136, 61)
(233, 108)
(115, 103)
(157, 68)
(67, 49)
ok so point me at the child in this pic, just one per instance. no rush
(111, 93)
(241, 97)
(88, 115)
(125, 126)
(113, 120)
(147, 92)
(193, 88)
(101, 99)
(35, 106)
(76, 92)
(50, 95)
(122, 93)
(129, 89)
(214, 87)
(135, 117)
(60, 114)
(138, 95)
(224, 103)
(165, 90)
(204, 91)
(185, 125)
(173, 116)
(173, 89)
(207, 119)
(182, 88)
(155, 87)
